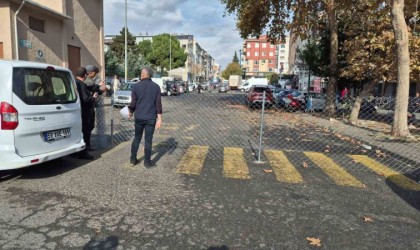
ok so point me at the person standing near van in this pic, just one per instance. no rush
(146, 105)
(87, 103)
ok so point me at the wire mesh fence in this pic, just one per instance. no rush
(287, 121)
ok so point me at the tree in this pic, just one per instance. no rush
(274, 79)
(118, 45)
(135, 64)
(166, 48)
(400, 126)
(235, 58)
(232, 69)
(144, 48)
(112, 67)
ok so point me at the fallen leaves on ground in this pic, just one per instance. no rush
(268, 170)
(379, 153)
(305, 165)
(367, 219)
(314, 241)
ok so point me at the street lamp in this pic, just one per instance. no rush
(240, 61)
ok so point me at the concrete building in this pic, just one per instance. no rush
(260, 57)
(67, 33)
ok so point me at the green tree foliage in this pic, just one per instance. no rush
(135, 64)
(112, 66)
(160, 56)
(232, 69)
(118, 45)
(274, 79)
(144, 48)
(235, 58)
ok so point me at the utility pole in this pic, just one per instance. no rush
(125, 43)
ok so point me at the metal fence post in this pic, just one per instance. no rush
(261, 128)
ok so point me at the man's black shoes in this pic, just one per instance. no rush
(133, 162)
(149, 164)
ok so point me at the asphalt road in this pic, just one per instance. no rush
(208, 191)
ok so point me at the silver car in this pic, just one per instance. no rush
(122, 97)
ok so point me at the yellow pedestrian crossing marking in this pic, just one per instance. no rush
(336, 173)
(234, 164)
(397, 178)
(284, 170)
(193, 160)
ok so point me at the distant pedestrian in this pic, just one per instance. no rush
(146, 105)
(344, 93)
(116, 83)
(87, 103)
(199, 88)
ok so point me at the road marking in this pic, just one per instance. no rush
(193, 160)
(337, 174)
(397, 178)
(284, 170)
(234, 164)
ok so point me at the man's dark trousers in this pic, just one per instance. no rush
(149, 127)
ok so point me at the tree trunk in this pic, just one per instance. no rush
(400, 126)
(332, 83)
(354, 116)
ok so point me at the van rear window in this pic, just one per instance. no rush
(42, 87)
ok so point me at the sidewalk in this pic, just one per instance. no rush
(408, 150)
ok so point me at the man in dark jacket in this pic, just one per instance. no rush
(147, 108)
(87, 103)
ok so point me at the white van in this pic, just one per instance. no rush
(40, 116)
(253, 81)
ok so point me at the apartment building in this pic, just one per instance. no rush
(260, 57)
(67, 33)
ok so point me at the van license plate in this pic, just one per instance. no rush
(57, 134)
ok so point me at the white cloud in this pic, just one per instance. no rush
(203, 19)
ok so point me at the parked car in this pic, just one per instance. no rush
(123, 96)
(191, 87)
(40, 117)
(279, 95)
(172, 88)
(224, 88)
(314, 101)
(255, 96)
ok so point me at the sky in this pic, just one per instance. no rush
(202, 18)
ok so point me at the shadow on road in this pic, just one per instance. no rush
(218, 248)
(108, 243)
(409, 196)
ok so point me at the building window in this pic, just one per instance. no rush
(282, 58)
(248, 54)
(271, 54)
(257, 45)
(282, 52)
(270, 69)
(271, 45)
(282, 46)
(256, 62)
(264, 45)
(248, 45)
(263, 53)
(257, 54)
(270, 61)
(36, 24)
(256, 70)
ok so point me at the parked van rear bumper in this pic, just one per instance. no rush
(14, 161)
